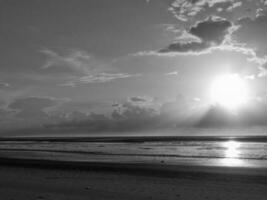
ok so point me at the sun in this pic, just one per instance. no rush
(229, 91)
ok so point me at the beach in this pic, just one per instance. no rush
(43, 182)
(150, 168)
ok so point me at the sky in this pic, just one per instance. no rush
(130, 66)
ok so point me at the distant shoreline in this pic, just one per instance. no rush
(136, 138)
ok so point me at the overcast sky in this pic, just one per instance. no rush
(129, 64)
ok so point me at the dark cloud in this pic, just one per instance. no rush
(210, 32)
(185, 47)
(213, 30)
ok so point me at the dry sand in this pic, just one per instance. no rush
(31, 183)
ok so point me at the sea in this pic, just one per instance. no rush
(246, 151)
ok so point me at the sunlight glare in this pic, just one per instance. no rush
(232, 150)
(232, 153)
(229, 91)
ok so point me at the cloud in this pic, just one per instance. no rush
(3, 84)
(211, 32)
(185, 47)
(75, 116)
(249, 37)
(217, 116)
(184, 10)
(146, 114)
(219, 33)
(245, 37)
(174, 73)
(5, 113)
(126, 117)
(85, 106)
(187, 37)
(145, 102)
(173, 28)
(28, 112)
(187, 11)
(181, 111)
(77, 61)
(234, 5)
(81, 67)
(132, 111)
(252, 33)
(138, 113)
(98, 78)
(138, 99)
(32, 107)
(253, 115)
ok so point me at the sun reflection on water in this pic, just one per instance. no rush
(232, 149)
(232, 154)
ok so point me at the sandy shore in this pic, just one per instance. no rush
(36, 183)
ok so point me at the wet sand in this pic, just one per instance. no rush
(58, 181)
